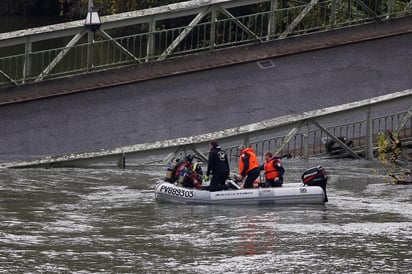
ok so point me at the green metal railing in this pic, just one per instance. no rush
(317, 138)
(216, 24)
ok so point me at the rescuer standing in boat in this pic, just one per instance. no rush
(273, 170)
(248, 166)
(218, 166)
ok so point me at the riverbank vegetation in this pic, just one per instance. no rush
(395, 158)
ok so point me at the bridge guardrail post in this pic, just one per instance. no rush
(90, 38)
(27, 61)
(333, 14)
(151, 40)
(306, 140)
(213, 27)
(391, 7)
(246, 140)
(272, 20)
(122, 161)
(369, 135)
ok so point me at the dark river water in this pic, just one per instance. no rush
(107, 221)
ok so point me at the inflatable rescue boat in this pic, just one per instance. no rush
(312, 190)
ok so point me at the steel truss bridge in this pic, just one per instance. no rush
(302, 138)
(163, 32)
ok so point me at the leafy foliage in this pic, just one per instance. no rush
(390, 152)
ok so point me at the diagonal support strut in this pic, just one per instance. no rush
(333, 137)
(367, 8)
(240, 24)
(119, 46)
(404, 121)
(184, 33)
(200, 154)
(298, 19)
(60, 56)
(289, 137)
(8, 77)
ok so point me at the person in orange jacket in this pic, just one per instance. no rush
(273, 170)
(248, 166)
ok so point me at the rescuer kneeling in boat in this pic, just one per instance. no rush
(192, 177)
(218, 166)
(248, 166)
(182, 167)
(188, 174)
(273, 171)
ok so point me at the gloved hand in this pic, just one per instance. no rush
(206, 178)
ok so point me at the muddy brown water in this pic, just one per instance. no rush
(106, 220)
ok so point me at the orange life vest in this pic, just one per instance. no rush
(270, 171)
(253, 161)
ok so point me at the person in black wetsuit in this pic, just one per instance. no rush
(218, 166)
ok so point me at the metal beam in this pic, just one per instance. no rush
(171, 155)
(342, 144)
(391, 7)
(41, 33)
(170, 11)
(404, 121)
(119, 20)
(332, 20)
(8, 77)
(184, 33)
(119, 46)
(240, 24)
(298, 19)
(272, 19)
(27, 60)
(183, 148)
(60, 56)
(367, 8)
(150, 40)
(306, 141)
(288, 137)
(199, 153)
(213, 21)
(90, 50)
(369, 135)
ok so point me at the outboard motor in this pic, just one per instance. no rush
(316, 176)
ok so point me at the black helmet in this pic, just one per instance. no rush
(189, 158)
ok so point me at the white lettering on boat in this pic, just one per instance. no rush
(173, 191)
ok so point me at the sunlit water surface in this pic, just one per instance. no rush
(107, 221)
